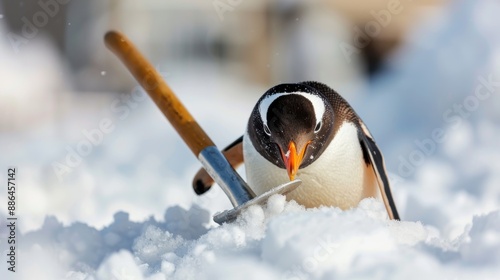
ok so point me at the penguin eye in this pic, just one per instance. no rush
(267, 130)
(318, 127)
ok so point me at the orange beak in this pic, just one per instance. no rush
(293, 159)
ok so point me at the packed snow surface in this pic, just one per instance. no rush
(280, 241)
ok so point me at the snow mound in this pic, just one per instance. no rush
(281, 240)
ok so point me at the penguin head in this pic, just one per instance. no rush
(291, 125)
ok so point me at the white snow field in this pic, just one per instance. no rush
(126, 210)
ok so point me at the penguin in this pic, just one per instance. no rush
(307, 130)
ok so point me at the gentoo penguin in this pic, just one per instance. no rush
(308, 131)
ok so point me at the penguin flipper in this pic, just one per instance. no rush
(374, 157)
(202, 182)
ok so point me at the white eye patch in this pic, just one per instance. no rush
(317, 102)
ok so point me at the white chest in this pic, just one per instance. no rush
(339, 177)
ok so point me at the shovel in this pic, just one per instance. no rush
(214, 162)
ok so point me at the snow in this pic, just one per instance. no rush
(127, 211)
(280, 241)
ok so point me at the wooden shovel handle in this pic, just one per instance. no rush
(159, 91)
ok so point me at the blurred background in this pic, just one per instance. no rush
(422, 74)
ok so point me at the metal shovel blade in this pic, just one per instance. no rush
(230, 215)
